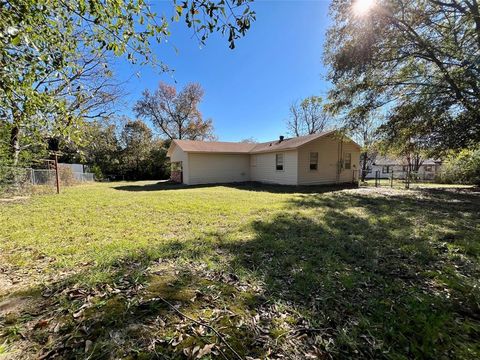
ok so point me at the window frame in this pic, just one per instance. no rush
(345, 160)
(310, 161)
(383, 169)
(278, 164)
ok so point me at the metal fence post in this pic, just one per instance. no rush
(57, 180)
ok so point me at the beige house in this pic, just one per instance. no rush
(325, 158)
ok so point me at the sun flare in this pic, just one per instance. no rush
(362, 7)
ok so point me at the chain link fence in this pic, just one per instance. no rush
(18, 180)
(399, 179)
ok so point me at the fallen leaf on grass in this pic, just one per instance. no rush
(88, 346)
(207, 349)
(41, 324)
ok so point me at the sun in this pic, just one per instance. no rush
(362, 7)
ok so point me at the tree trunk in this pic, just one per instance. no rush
(15, 144)
(364, 165)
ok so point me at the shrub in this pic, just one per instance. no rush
(14, 180)
(462, 167)
(97, 171)
(67, 178)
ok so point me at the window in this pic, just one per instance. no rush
(428, 168)
(347, 161)
(385, 169)
(279, 162)
(253, 160)
(313, 160)
(405, 168)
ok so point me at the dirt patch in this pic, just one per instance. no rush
(14, 199)
(381, 191)
(5, 285)
(13, 305)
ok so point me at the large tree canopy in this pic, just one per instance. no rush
(50, 48)
(124, 149)
(307, 117)
(175, 114)
(418, 60)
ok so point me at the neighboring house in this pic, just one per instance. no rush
(398, 168)
(306, 160)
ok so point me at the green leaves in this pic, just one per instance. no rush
(179, 10)
(400, 55)
(16, 40)
(53, 53)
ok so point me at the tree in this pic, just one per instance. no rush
(413, 150)
(40, 43)
(250, 140)
(462, 167)
(175, 114)
(88, 93)
(408, 143)
(366, 134)
(125, 148)
(307, 117)
(142, 155)
(99, 147)
(401, 56)
(137, 142)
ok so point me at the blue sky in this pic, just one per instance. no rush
(248, 90)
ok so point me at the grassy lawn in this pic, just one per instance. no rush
(400, 184)
(147, 271)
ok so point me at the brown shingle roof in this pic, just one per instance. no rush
(287, 144)
(214, 146)
(246, 148)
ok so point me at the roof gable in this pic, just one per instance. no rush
(247, 148)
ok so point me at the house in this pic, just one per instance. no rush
(325, 158)
(387, 167)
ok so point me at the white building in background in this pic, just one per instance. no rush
(398, 168)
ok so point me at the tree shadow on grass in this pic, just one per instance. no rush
(343, 275)
(143, 308)
(388, 276)
(247, 186)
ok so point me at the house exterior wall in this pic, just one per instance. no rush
(263, 168)
(209, 168)
(347, 175)
(178, 155)
(328, 157)
(214, 168)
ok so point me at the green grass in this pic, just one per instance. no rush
(298, 272)
(400, 184)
